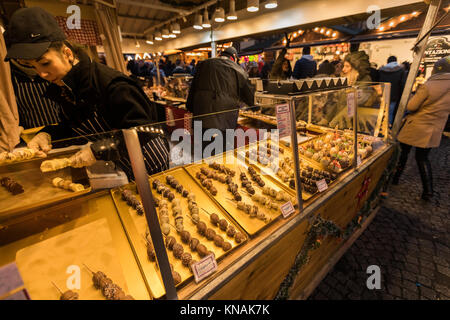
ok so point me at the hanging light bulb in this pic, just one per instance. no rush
(172, 35)
(149, 39)
(232, 14)
(252, 5)
(316, 29)
(198, 20)
(271, 4)
(175, 28)
(334, 34)
(206, 23)
(158, 36)
(165, 33)
(219, 15)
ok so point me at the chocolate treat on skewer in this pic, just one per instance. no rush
(11, 185)
(68, 295)
(109, 289)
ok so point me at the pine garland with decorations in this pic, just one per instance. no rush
(321, 228)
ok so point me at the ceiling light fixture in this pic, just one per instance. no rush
(206, 23)
(165, 33)
(271, 4)
(219, 15)
(198, 21)
(232, 14)
(158, 36)
(149, 39)
(175, 28)
(252, 5)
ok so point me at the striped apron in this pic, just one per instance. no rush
(155, 148)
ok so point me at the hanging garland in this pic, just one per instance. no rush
(321, 228)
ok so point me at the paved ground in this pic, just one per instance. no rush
(409, 240)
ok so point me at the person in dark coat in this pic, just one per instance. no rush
(179, 67)
(94, 98)
(219, 85)
(305, 67)
(374, 73)
(396, 75)
(326, 69)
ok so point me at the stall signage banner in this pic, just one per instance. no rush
(351, 104)
(287, 209)
(204, 268)
(283, 120)
(322, 185)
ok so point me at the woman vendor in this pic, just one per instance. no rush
(94, 98)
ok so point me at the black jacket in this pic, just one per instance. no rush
(92, 87)
(219, 84)
(396, 75)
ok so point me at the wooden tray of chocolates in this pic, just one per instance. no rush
(251, 199)
(38, 189)
(280, 167)
(180, 223)
(50, 265)
(333, 151)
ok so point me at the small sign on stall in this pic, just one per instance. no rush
(358, 161)
(287, 209)
(351, 104)
(283, 120)
(322, 185)
(204, 268)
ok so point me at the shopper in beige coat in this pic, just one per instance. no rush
(423, 127)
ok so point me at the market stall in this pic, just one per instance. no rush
(259, 221)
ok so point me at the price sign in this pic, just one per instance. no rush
(351, 104)
(283, 120)
(322, 185)
(287, 209)
(204, 268)
(358, 161)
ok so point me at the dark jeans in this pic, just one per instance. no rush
(423, 165)
(421, 154)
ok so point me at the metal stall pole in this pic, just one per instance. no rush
(420, 46)
(143, 186)
(298, 182)
(213, 44)
(157, 73)
(355, 128)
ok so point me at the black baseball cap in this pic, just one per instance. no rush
(230, 51)
(30, 32)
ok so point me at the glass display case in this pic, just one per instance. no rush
(222, 193)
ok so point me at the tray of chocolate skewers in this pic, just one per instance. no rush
(275, 161)
(253, 200)
(193, 226)
(88, 251)
(24, 185)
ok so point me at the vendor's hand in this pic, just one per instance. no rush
(83, 158)
(41, 143)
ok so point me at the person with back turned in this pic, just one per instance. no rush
(220, 85)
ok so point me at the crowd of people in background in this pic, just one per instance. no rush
(147, 68)
(356, 66)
